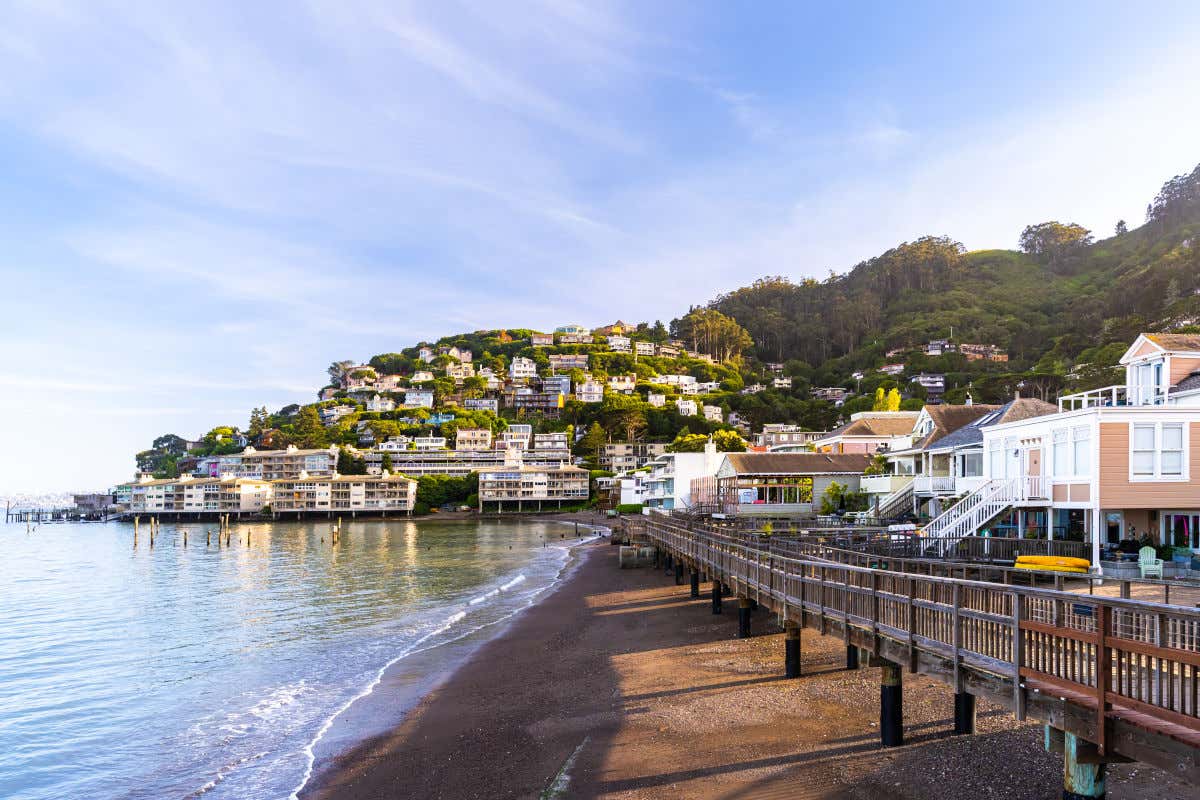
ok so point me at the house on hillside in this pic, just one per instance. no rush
(685, 407)
(620, 344)
(643, 348)
(542, 339)
(590, 391)
(522, 369)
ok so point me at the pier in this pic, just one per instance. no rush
(1113, 679)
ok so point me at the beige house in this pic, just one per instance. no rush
(384, 493)
(1114, 463)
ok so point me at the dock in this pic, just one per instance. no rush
(1112, 678)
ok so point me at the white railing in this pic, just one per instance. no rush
(896, 501)
(971, 513)
(933, 484)
(1111, 396)
(884, 484)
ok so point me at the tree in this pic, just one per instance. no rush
(591, 442)
(348, 464)
(1121, 228)
(338, 371)
(259, 421)
(728, 441)
(880, 400)
(707, 330)
(1054, 242)
(308, 432)
(385, 463)
(893, 400)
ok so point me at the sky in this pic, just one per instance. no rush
(203, 205)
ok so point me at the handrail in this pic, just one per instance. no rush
(1114, 649)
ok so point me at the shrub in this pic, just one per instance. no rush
(629, 508)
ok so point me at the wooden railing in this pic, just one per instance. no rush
(1118, 658)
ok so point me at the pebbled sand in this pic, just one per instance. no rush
(654, 698)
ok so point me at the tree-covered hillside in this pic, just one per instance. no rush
(1050, 304)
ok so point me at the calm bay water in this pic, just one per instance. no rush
(224, 672)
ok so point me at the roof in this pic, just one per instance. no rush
(1175, 341)
(949, 418)
(796, 463)
(1012, 411)
(899, 425)
(1188, 384)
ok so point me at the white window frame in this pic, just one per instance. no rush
(1060, 448)
(1158, 476)
(1081, 433)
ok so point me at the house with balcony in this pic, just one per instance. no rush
(626, 456)
(557, 383)
(380, 403)
(781, 434)
(668, 485)
(418, 398)
(781, 383)
(422, 376)
(425, 354)
(685, 407)
(620, 344)
(831, 394)
(1111, 464)
(382, 493)
(542, 339)
(529, 487)
(482, 404)
(934, 385)
(522, 369)
(331, 414)
(643, 348)
(892, 369)
(565, 362)
(656, 399)
(622, 384)
(713, 413)
(472, 439)
(590, 391)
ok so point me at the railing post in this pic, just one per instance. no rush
(1017, 659)
(1103, 673)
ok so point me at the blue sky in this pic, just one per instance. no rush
(202, 207)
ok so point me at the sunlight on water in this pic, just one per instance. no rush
(211, 671)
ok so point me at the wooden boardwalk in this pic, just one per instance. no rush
(1120, 675)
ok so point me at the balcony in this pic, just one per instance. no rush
(884, 484)
(1112, 397)
(934, 484)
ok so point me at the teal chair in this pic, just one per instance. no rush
(1149, 563)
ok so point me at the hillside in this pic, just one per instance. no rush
(1054, 315)
(1062, 301)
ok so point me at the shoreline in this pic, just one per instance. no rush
(402, 684)
(618, 685)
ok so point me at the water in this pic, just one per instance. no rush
(227, 672)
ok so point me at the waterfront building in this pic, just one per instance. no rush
(776, 484)
(529, 487)
(668, 485)
(384, 493)
(203, 496)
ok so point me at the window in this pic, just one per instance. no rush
(1062, 466)
(1143, 450)
(1081, 440)
(972, 465)
(995, 460)
(1157, 450)
(1172, 450)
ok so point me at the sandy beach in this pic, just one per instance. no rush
(618, 685)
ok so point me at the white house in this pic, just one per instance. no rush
(381, 403)
(425, 354)
(589, 391)
(644, 348)
(429, 442)
(418, 398)
(713, 413)
(781, 383)
(620, 344)
(522, 368)
(422, 376)
(669, 482)
(622, 384)
(686, 407)
(656, 399)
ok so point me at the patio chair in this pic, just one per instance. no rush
(1149, 563)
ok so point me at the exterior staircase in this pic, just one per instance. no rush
(895, 503)
(968, 515)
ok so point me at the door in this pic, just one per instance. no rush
(1033, 472)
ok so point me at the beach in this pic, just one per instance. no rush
(618, 685)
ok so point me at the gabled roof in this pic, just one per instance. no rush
(948, 418)
(1012, 411)
(797, 463)
(1165, 342)
(898, 425)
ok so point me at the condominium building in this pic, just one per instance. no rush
(564, 362)
(204, 496)
(385, 493)
(277, 465)
(529, 487)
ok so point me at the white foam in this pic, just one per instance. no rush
(309, 753)
(512, 583)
